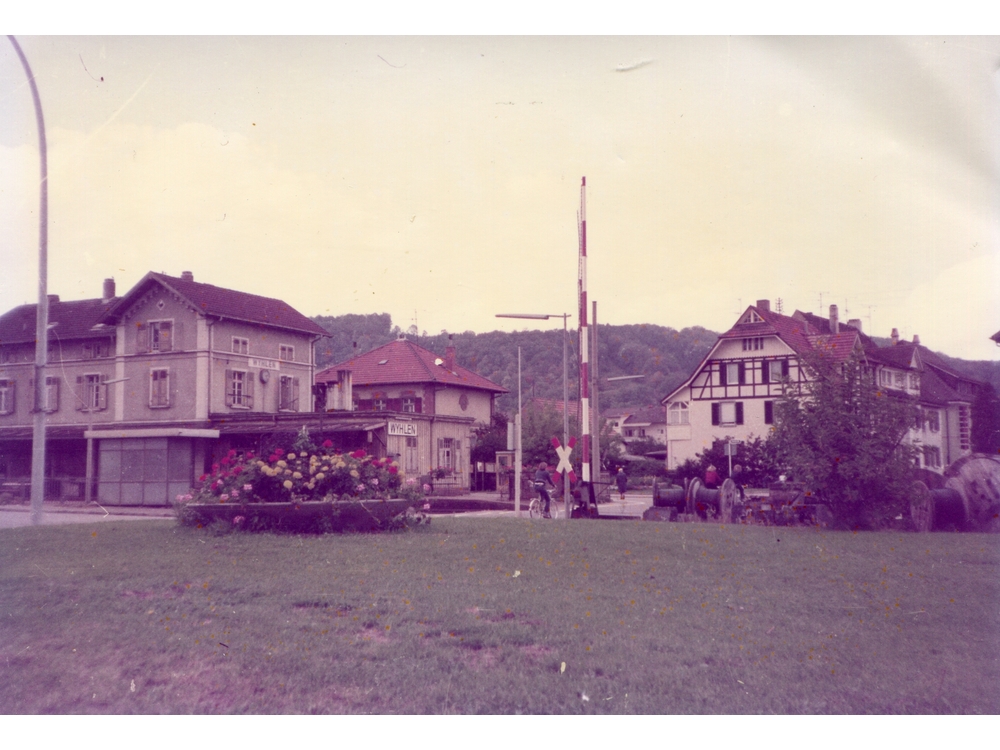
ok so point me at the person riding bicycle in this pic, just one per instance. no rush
(542, 479)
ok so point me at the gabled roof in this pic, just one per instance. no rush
(904, 356)
(837, 348)
(73, 320)
(554, 404)
(217, 302)
(647, 415)
(402, 361)
(822, 326)
(792, 331)
(934, 390)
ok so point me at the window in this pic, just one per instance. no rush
(159, 388)
(678, 413)
(768, 412)
(448, 449)
(50, 395)
(964, 428)
(932, 456)
(753, 344)
(288, 393)
(155, 336)
(92, 392)
(239, 389)
(727, 413)
(774, 371)
(630, 432)
(885, 377)
(933, 420)
(96, 349)
(900, 379)
(409, 404)
(731, 373)
(7, 396)
(286, 353)
(411, 457)
(914, 381)
(241, 345)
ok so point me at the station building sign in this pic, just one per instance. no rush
(403, 428)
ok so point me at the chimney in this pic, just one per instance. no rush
(856, 324)
(895, 336)
(916, 339)
(108, 291)
(764, 304)
(834, 320)
(187, 276)
(449, 354)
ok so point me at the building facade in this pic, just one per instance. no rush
(427, 406)
(732, 393)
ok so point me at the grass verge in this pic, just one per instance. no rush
(484, 615)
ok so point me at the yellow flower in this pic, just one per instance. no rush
(288, 484)
(282, 464)
(354, 473)
(297, 475)
(291, 456)
(320, 476)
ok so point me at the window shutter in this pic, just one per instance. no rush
(82, 401)
(715, 413)
(765, 372)
(176, 342)
(784, 368)
(417, 408)
(739, 412)
(141, 338)
(166, 336)
(295, 394)
(152, 388)
(768, 412)
(722, 373)
(248, 388)
(742, 371)
(229, 387)
(54, 400)
(102, 393)
(168, 390)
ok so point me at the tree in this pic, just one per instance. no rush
(845, 439)
(490, 439)
(756, 456)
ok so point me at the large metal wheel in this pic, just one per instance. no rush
(729, 496)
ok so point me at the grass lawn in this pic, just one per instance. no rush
(488, 615)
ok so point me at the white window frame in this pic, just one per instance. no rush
(732, 373)
(50, 394)
(238, 396)
(724, 407)
(288, 397)
(411, 456)
(409, 404)
(933, 417)
(155, 329)
(380, 403)
(241, 345)
(8, 393)
(159, 395)
(678, 413)
(92, 383)
(286, 353)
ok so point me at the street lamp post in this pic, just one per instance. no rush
(564, 316)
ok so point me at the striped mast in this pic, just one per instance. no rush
(583, 334)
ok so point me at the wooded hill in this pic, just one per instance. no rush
(663, 355)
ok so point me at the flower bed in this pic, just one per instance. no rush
(305, 487)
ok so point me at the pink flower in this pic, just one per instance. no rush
(427, 488)
(375, 483)
(248, 487)
(427, 506)
(360, 488)
(236, 493)
(411, 480)
(224, 497)
(237, 520)
(225, 461)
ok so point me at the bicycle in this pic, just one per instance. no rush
(536, 508)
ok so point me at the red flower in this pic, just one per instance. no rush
(237, 470)
(225, 461)
(393, 469)
(358, 454)
(203, 477)
(279, 452)
(215, 467)
(327, 443)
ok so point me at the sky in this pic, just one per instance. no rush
(438, 178)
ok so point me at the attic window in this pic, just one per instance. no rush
(752, 317)
(383, 361)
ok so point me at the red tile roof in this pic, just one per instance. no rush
(836, 348)
(217, 302)
(73, 320)
(402, 361)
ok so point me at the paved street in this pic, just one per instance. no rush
(12, 516)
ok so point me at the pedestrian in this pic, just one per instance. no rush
(711, 478)
(738, 478)
(622, 481)
(542, 479)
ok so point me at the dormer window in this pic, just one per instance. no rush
(751, 317)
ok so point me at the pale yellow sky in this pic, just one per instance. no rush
(437, 179)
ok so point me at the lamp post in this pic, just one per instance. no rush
(42, 314)
(564, 316)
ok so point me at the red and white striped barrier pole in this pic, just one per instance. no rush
(584, 336)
